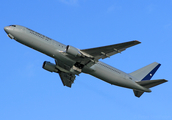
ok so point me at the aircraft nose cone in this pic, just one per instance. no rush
(6, 29)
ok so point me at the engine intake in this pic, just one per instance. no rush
(49, 67)
(72, 51)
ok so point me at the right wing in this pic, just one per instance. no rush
(107, 51)
(89, 58)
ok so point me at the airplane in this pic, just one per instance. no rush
(71, 61)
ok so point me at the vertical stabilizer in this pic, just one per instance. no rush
(146, 73)
(143, 76)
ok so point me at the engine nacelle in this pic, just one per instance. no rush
(49, 66)
(72, 51)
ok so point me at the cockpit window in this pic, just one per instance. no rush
(13, 25)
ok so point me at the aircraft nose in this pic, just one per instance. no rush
(6, 29)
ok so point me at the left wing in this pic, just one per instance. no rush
(107, 51)
(67, 78)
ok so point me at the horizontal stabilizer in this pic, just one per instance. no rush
(148, 84)
(151, 83)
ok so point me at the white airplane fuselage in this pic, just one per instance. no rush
(56, 50)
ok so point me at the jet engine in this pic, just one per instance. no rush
(49, 67)
(72, 51)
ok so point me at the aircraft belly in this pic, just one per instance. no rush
(114, 78)
(65, 60)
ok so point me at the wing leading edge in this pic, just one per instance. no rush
(107, 51)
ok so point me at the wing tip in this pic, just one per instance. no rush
(137, 41)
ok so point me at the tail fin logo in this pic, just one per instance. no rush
(150, 75)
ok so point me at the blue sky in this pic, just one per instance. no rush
(28, 92)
